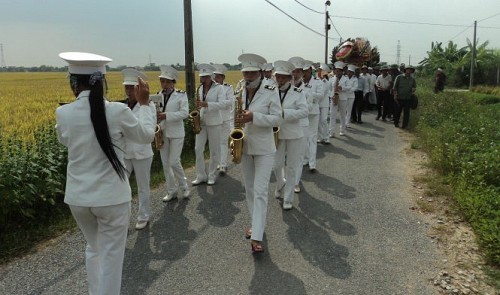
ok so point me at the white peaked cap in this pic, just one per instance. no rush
(251, 62)
(268, 67)
(168, 72)
(282, 67)
(297, 61)
(324, 67)
(339, 65)
(130, 76)
(205, 70)
(85, 63)
(220, 69)
(307, 65)
(351, 68)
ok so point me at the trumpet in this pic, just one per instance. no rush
(195, 115)
(237, 135)
(157, 99)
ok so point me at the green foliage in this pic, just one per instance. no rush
(32, 175)
(462, 137)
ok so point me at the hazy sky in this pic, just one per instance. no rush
(33, 32)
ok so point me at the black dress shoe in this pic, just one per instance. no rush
(396, 125)
(378, 117)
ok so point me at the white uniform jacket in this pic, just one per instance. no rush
(327, 88)
(294, 107)
(267, 113)
(228, 95)
(139, 151)
(348, 87)
(91, 181)
(211, 115)
(314, 93)
(176, 110)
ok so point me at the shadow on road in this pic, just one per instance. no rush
(329, 185)
(316, 246)
(269, 279)
(217, 201)
(156, 247)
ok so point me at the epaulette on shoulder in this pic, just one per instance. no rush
(123, 101)
(225, 84)
(299, 90)
(180, 91)
(270, 87)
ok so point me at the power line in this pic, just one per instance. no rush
(297, 21)
(408, 22)
(489, 17)
(461, 32)
(334, 27)
(309, 8)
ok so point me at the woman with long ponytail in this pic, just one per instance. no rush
(97, 189)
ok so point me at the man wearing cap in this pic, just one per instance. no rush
(297, 75)
(261, 112)
(371, 96)
(324, 104)
(359, 94)
(440, 81)
(173, 110)
(384, 84)
(211, 100)
(95, 132)
(404, 87)
(335, 102)
(313, 89)
(288, 156)
(226, 113)
(138, 157)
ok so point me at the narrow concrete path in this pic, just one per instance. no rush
(351, 232)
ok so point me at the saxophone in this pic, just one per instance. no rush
(336, 92)
(157, 100)
(236, 136)
(194, 116)
(276, 134)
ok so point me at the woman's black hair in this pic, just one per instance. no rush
(99, 122)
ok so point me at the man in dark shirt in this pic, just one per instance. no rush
(404, 87)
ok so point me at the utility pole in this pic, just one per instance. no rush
(327, 28)
(398, 53)
(473, 57)
(2, 62)
(409, 59)
(189, 51)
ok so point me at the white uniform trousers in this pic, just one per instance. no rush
(224, 131)
(333, 118)
(312, 141)
(323, 124)
(350, 103)
(105, 230)
(303, 147)
(256, 175)
(212, 134)
(342, 114)
(170, 154)
(142, 171)
(286, 162)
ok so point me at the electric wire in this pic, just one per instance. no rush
(297, 21)
(309, 8)
(489, 17)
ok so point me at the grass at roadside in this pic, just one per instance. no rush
(460, 132)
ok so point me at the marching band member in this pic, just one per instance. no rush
(210, 101)
(336, 105)
(226, 113)
(262, 111)
(288, 155)
(297, 74)
(138, 157)
(268, 75)
(324, 104)
(313, 89)
(97, 188)
(351, 96)
(174, 110)
(347, 88)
